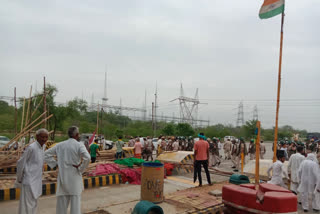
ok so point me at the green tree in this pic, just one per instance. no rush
(184, 129)
(169, 129)
(250, 128)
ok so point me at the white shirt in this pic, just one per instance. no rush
(307, 175)
(69, 153)
(219, 145)
(29, 168)
(293, 166)
(277, 171)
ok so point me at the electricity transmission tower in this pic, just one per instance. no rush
(255, 113)
(240, 119)
(188, 108)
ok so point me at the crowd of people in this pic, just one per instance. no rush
(73, 157)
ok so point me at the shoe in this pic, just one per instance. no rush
(210, 184)
(200, 185)
(236, 170)
(315, 210)
(305, 211)
(233, 167)
(219, 163)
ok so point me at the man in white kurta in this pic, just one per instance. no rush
(277, 170)
(307, 175)
(29, 174)
(293, 167)
(69, 154)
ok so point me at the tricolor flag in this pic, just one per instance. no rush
(271, 8)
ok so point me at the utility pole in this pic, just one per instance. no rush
(155, 109)
(153, 124)
(188, 108)
(15, 111)
(240, 119)
(145, 105)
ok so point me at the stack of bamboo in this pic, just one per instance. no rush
(106, 155)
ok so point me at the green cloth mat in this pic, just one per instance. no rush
(132, 161)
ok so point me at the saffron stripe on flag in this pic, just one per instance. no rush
(271, 8)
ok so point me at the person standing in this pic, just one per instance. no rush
(227, 149)
(72, 158)
(277, 170)
(29, 174)
(215, 153)
(175, 145)
(94, 150)
(293, 167)
(201, 155)
(119, 145)
(131, 142)
(307, 175)
(137, 149)
(234, 153)
(86, 143)
(148, 149)
(262, 149)
(241, 149)
(284, 148)
(252, 150)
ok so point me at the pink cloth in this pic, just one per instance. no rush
(105, 169)
(202, 148)
(137, 148)
(133, 176)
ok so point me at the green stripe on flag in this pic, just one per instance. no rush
(272, 13)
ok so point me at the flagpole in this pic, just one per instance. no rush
(278, 93)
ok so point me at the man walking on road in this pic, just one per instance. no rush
(293, 167)
(94, 150)
(307, 175)
(29, 174)
(72, 159)
(227, 149)
(252, 150)
(262, 150)
(201, 155)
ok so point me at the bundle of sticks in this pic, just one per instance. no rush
(106, 155)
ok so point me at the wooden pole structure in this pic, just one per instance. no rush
(98, 119)
(23, 107)
(242, 162)
(278, 93)
(15, 112)
(257, 177)
(44, 102)
(28, 109)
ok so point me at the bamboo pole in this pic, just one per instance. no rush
(36, 109)
(22, 131)
(257, 177)
(278, 93)
(28, 109)
(242, 162)
(24, 103)
(25, 133)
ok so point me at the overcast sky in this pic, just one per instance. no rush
(220, 47)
